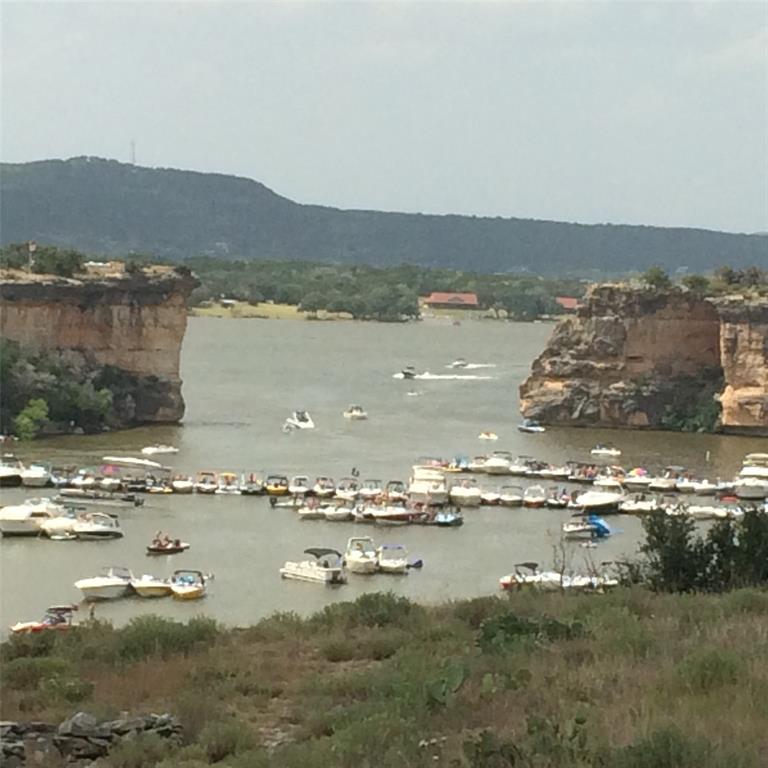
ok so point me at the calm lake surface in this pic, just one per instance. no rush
(242, 378)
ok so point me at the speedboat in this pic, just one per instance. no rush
(114, 582)
(465, 493)
(355, 413)
(637, 479)
(530, 426)
(57, 617)
(534, 496)
(512, 495)
(96, 525)
(396, 492)
(639, 505)
(300, 420)
(251, 485)
(459, 362)
(228, 484)
(608, 483)
(392, 558)
(324, 487)
(150, 586)
(445, 519)
(10, 471)
(548, 581)
(311, 511)
(487, 436)
(206, 482)
(338, 514)
(299, 485)
(557, 498)
(409, 372)
(752, 481)
(667, 481)
(327, 567)
(181, 484)
(370, 489)
(360, 556)
(498, 463)
(589, 527)
(151, 450)
(704, 488)
(189, 585)
(109, 484)
(490, 497)
(36, 475)
(477, 464)
(604, 449)
(347, 489)
(276, 485)
(28, 518)
(597, 501)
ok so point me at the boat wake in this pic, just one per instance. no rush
(427, 376)
(471, 366)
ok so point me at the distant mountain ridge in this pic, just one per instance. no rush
(111, 208)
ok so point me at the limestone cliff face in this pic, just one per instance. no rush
(135, 323)
(630, 355)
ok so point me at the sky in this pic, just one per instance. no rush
(621, 112)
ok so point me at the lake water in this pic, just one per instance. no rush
(243, 377)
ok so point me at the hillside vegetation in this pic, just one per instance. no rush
(106, 207)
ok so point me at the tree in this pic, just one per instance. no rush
(27, 424)
(696, 284)
(656, 278)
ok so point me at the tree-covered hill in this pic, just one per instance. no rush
(102, 206)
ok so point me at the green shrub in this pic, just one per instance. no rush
(750, 601)
(474, 612)
(705, 671)
(338, 649)
(26, 673)
(504, 632)
(373, 609)
(223, 738)
(145, 750)
(151, 635)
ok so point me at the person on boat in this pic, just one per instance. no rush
(167, 541)
(177, 542)
(355, 472)
(157, 541)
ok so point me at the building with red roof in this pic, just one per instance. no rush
(448, 300)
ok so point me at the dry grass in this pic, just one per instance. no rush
(331, 685)
(264, 311)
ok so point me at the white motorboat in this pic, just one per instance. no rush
(490, 497)
(392, 558)
(427, 486)
(27, 519)
(311, 511)
(131, 461)
(206, 482)
(355, 413)
(530, 426)
(597, 501)
(603, 449)
(498, 463)
(149, 586)
(114, 582)
(511, 495)
(639, 505)
(10, 471)
(608, 483)
(586, 527)
(396, 492)
(534, 496)
(549, 581)
(110, 484)
(228, 484)
(56, 617)
(553, 472)
(182, 484)
(326, 568)
(361, 556)
(337, 514)
(96, 525)
(347, 489)
(752, 481)
(637, 480)
(189, 584)
(558, 498)
(465, 493)
(459, 362)
(686, 485)
(300, 420)
(487, 436)
(477, 464)
(324, 487)
(370, 489)
(521, 466)
(36, 476)
(299, 485)
(667, 481)
(152, 450)
(705, 488)
(251, 485)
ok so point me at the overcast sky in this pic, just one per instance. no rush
(648, 113)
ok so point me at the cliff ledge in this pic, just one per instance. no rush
(635, 357)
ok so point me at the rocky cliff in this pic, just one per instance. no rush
(635, 357)
(132, 323)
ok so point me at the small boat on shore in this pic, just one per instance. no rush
(326, 568)
(530, 426)
(57, 617)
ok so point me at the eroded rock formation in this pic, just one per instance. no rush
(132, 322)
(638, 358)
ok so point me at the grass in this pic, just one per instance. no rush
(263, 311)
(626, 680)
